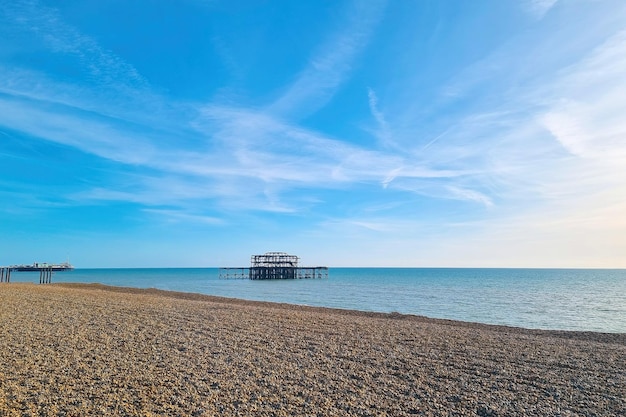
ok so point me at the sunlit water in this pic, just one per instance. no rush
(566, 299)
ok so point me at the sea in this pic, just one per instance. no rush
(555, 299)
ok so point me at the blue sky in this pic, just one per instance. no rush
(351, 133)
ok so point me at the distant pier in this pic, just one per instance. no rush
(273, 266)
(45, 270)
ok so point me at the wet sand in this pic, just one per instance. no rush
(73, 350)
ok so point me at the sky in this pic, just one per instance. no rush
(194, 133)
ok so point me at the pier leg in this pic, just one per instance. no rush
(1, 274)
(41, 276)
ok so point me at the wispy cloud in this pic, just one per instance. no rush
(578, 105)
(331, 63)
(470, 195)
(551, 158)
(539, 8)
(106, 69)
(532, 134)
(76, 128)
(383, 132)
(275, 150)
(217, 151)
(585, 115)
(178, 216)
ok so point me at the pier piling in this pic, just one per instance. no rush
(5, 274)
(45, 275)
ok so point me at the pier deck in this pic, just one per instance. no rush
(311, 272)
(273, 266)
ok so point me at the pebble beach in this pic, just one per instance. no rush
(89, 349)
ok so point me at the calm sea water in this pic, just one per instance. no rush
(566, 299)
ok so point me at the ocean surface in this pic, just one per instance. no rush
(564, 299)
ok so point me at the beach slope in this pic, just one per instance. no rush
(72, 349)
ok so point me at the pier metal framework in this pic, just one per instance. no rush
(274, 265)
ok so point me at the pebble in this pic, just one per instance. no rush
(94, 350)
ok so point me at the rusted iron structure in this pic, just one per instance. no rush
(274, 265)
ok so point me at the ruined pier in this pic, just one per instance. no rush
(273, 266)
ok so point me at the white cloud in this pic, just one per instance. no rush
(543, 151)
(331, 63)
(556, 158)
(77, 129)
(105, 68)
(586, 114)
(539, 8)
(178, 216)
(383, 132)
(226, 150)
(470, 195)
(267, 148)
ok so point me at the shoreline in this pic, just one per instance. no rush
(546, 300)
(616, 337)
(75, 349)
